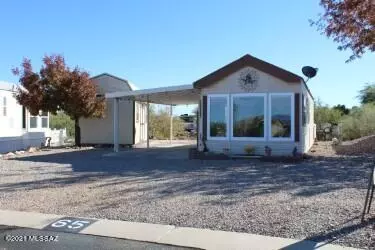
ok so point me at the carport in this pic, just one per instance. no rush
(173, 95)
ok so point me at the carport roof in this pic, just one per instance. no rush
(172, 95)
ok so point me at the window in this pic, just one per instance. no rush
(281, 116)
(306, 110)
(248, 116)
(33, 121)
(4, 106)
(44, 118)
(218, 117)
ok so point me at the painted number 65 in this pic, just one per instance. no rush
(73, 224)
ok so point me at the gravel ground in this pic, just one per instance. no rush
(320, 199)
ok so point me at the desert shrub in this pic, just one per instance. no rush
(160, 124)
(324, 114)
(61, 121)
(359, 123)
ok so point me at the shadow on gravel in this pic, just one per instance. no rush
(340, 231)
(167, 172)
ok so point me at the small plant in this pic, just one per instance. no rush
(249, 149)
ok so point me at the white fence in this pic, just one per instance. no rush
(32, 139)
(58, 136)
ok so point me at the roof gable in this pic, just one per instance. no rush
(247, 61)
(115, 77)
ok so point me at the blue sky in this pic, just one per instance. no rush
(168, 42)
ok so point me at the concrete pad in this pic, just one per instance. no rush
(26, 219)
(128, 230)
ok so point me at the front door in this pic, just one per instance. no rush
(143, 122)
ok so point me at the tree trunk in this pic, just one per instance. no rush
(77, 129)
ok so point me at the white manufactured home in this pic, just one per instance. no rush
(18, 128)
(247, 103)
(250, 102)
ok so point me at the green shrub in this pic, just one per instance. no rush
(359, 123)
(61, 121)
(324, 114)
(160, 124)
(249, 149)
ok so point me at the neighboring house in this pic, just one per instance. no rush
(132, 116)
(18, 128)
(247, 89)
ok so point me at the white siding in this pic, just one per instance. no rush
(12, 135)
(11, 124)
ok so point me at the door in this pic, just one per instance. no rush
(142, 122)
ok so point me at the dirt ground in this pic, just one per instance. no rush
(320, 199)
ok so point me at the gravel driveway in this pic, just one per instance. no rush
(320, 199)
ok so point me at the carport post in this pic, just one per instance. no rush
(148, 122)
(171, 124)
(115, 125)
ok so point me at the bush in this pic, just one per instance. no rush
(359, 123)
(324, 114)
(160, 124)
(61, 121)
(249, 149)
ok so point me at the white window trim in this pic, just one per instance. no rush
(41, 121)
(264, 95)
(227, 118)
(270, 138)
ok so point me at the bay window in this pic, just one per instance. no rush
(218, 117)
(248, 116)
(281, 112)
(251, 116)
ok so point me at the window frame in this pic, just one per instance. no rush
(41, 121)
(292, 117)
(227, 117)
(37, 123)
(264, 138)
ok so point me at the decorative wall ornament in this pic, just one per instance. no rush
(248, 80)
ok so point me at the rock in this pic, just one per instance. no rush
(31, 150)
(335, 141)
(19, 152)
(10, 154)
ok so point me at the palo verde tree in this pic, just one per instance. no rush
(351, 23)
(56, 87)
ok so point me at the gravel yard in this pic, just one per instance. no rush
(320, 199)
